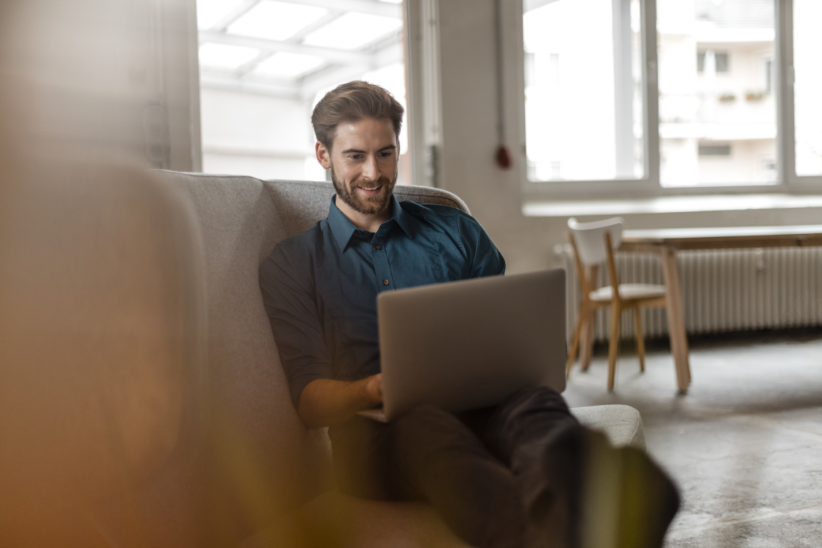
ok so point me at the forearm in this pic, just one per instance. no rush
(326, 402)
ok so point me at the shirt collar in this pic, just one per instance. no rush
(343, 229)
(403, 219)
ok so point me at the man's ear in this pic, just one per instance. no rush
(323, 155)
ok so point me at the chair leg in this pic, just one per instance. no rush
(587, 340)
(640, 338)
(572, 353)
(613, 347)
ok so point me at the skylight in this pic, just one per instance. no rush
(210, 12)
(288, 65)
(225, 57)
(353, 31)
(275, 20)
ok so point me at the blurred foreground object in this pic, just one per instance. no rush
(100, 339)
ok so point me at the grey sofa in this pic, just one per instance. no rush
(143, 403)
(240, 220)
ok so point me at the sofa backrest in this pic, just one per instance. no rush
(268, 459)
(303, 203)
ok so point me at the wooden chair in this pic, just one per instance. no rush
(594, 243)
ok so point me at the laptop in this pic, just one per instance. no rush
(470, 344)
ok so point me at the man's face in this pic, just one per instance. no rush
(363, 163)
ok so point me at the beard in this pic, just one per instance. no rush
(367, 205)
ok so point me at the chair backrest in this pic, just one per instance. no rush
(254, 422)
(590, 238)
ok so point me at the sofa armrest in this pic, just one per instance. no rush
(621, 423)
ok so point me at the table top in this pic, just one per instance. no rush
(722, 238)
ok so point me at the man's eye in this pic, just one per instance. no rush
(356, 156)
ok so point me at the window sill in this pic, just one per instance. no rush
(669, 204)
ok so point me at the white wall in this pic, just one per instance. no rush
(102, 79)
(258, 135)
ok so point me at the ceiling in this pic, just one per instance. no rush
(295, 48)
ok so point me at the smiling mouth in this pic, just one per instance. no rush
(370, 188)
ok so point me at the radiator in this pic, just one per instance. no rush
(724, 290)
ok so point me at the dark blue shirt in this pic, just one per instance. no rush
(320, 288)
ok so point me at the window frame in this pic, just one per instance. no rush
(649, 186)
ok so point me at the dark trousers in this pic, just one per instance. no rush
(523, 473)
(484, 471)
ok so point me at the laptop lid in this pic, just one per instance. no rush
(469, 344)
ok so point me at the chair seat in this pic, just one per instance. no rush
(628, 291)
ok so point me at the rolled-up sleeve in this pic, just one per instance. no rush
(485, 258)
(288, 296)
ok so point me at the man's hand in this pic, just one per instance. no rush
(374, 388)
(326, 402)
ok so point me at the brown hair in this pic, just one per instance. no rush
(352, 102)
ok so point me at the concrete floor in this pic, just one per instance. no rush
(745, 443)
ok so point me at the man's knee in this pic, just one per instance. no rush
(543, 397)
(531, 404)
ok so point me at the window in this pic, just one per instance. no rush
(807, 43)
(716, 59)
(714, 150)
(584, 91)
(264, 64)
(724, 100)
(662, 95)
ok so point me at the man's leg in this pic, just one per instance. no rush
(564, 468)
(535, 434)
(431, 455)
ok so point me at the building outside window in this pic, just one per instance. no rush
(583, 103)
(668, 94)
(722, 105)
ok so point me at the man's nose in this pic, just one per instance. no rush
(370, 169)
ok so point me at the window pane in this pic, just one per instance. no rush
(583, 90)
(256, 97)
(717, 106)
(807, 46)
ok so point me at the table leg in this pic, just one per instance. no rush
(676, 319)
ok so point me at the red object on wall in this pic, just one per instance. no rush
(503, 157)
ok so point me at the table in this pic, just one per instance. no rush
(666, 243)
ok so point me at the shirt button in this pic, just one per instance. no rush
(378, 247)
(385, 282)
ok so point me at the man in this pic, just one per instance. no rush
(506, 476)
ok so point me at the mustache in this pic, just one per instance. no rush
(382, 181)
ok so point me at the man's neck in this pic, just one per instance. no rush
(369, 222)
